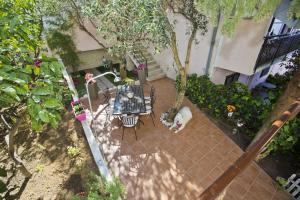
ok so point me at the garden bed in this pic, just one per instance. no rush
(130, 74)
(59, 160)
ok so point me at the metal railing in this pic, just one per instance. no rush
(276, 46)
(293, 186)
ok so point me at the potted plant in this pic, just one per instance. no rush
(141, 70)
(78, 110)
(92, 86)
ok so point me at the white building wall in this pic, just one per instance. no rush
(199, 52)
(240, 52)
(236, 54)
(219, 76)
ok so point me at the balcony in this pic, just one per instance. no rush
(276, 46)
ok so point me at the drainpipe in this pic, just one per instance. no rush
(212, 45)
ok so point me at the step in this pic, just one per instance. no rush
(153, 66)
(159, 76)
(154, 72)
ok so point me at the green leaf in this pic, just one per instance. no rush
(37, 71)
(3, 172)
(11, 92)
(33, 109)
(22, 90)
(28, 69)
(289, 139)
(36, 99)
(36, 126)
(3, 187)
(52, 103)
(44, 116)
(41, 91)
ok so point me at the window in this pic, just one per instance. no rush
(231, 79)
(264, 72)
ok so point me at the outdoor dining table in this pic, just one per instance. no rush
(126, 104)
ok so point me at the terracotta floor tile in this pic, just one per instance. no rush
(163, 165)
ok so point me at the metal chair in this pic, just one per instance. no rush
(152, 95)
(150, 108)
(129, 121)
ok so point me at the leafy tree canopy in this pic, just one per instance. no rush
(27, 81)
(126, 23)
(232, 11)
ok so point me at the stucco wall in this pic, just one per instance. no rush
(85, 42)
(199, 51)
(240, 52)
(219, 76)
(92, 59)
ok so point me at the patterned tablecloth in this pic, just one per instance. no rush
(125, 105)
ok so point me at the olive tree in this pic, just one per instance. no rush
(129, 24)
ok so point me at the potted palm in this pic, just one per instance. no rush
(92, 86)
(141, 70)
(78, 110)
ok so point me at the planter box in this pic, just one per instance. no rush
(82, 115)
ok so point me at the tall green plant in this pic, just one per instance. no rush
(31, 86)
(99, 189)
(214, 98)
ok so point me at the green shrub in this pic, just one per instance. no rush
(287, 138)
(251, 112)
(99, 189)
(73, 151)
(215, 98)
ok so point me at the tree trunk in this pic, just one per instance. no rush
(182, 70)
(11, 149)
(123, 73)
(82, 27)
(80, 22)
(291, 94)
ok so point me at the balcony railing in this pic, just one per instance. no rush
(276, 46)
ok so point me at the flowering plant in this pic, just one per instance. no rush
(89, 76)
(141, 66)
(37, 63)
(230, 108)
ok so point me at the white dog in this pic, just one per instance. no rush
(181, 119)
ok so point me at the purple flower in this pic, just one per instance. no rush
(37, 63)
(141, 66)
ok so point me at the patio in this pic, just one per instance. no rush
(164, 165)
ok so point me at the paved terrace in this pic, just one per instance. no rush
(163, 165)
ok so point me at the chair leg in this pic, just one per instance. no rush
(135, 133)
(118, 118)
(153, 113)
(141, 121)
(123, 132)
(152, 119)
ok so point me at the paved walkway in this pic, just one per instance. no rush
(163, 165)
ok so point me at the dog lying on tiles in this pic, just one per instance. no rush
(181, 119)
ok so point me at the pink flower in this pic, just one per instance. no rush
(141, 66)
(89, 76)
